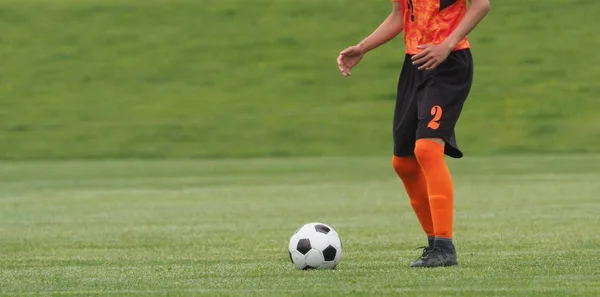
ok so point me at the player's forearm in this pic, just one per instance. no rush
(390, 28)
(475, 13)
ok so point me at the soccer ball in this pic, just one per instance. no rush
(315, 246)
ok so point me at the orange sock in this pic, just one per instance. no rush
(414, 181)
(439, 185)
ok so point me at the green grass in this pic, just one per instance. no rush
(525, 226)
(232, 78)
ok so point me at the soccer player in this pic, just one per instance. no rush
(435, 80)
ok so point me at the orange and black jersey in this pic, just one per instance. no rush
(431, 22)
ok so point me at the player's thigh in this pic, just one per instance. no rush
(442, 96)
(405, 130)
(406, 120)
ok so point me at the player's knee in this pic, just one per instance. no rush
(406, 167)
(428, 149)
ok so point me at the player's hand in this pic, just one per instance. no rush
(431, 56)
(348, 58)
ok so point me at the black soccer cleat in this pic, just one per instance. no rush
(439, 258)
(442, 254)
(426, 251)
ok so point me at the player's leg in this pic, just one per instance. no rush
(404, 162)
(430, 155)
(415, 184)
(440, 104)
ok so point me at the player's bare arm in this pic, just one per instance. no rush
(432, 55)
(389, 28)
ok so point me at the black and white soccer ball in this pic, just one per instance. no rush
(315, 246)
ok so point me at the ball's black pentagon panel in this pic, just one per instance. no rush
(329, 253)
(303, 246)
(291, 259)
(308, 267)
(322, 229)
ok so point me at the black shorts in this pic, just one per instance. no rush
(429, 103)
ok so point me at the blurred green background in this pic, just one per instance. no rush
(229, 78)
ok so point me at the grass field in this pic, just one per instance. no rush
(233, 78)
(525, 226)
(172, 147)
